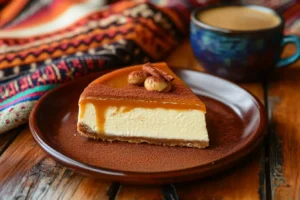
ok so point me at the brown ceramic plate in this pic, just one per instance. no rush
(235, 120)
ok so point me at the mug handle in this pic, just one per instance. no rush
(290, 60)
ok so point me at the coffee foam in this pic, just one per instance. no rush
(239, 18)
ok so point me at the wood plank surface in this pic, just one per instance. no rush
(128, 192)
(284, 117)
(244, 181)
(7, 138)
(27, 173)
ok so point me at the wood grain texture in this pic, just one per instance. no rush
(7, 138)
(129, 192)
(27, 173)
(284, 106)
(245, 181)
(240, 182)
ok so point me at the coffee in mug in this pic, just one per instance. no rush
(240, 42)
(238, 18)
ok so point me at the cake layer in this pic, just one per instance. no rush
(165, 142)
(180, 127)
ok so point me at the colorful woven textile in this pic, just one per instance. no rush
(45, 43)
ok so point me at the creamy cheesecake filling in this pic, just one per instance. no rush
(172, 121)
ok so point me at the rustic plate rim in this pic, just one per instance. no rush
(153, 177)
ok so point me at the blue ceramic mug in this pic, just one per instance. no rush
(240, 55)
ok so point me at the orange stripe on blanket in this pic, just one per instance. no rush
(11, 10)
(114, 9)
(47, 14)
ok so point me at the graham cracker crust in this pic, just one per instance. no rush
(87, 132)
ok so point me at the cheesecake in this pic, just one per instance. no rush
(143, 104)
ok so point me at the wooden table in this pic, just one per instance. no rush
(271, 172)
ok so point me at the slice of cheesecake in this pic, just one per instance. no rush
(164, 111)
